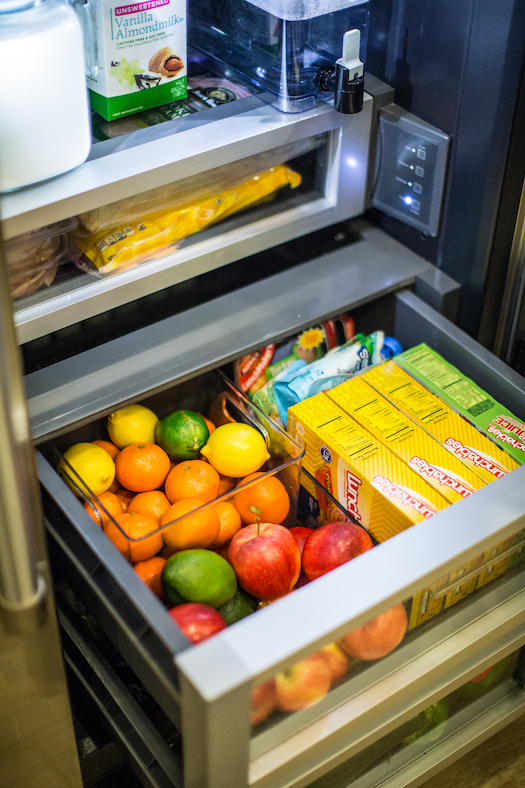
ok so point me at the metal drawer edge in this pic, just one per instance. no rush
(151, 757)
(477, 723)
(74, 391)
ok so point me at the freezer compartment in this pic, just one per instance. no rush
(257, 647)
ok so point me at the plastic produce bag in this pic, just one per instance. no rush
(135, 241)
(33, 259)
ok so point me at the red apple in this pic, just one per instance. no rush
(378, 637)
(331, 545)
(337, 661)
(266, 560)
(198, 622)
(304, 684)
(264, 701)
(301, 534)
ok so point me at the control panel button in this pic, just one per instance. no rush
(405, 187)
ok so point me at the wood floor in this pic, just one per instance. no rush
(497, 763)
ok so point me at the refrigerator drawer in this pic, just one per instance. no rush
(203, 688)
(200, 160)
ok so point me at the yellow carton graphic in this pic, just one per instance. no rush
(375, 487)
(454, 433)
(463, 441)
(407, 440)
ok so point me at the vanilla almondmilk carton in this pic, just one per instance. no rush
(140, 56)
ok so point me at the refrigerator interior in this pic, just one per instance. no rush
(92, 343)
(112, 596)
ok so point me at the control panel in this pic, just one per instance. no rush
(411, 169)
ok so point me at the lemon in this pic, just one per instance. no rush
(93, 465)
(236, 449)
(132, 424)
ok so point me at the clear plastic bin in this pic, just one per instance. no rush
(219, 400)
(281, 47)
(33, 259)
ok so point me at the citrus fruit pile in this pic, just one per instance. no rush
(151, 485)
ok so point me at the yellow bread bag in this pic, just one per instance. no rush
(129, 244)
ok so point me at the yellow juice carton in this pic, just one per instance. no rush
(466, 398)
(428, 458)
(456, 435)
(380, 492)
(435, 417)
(375, 487)
(408, 441)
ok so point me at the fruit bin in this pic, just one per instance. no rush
(219, 399)
(206, 690)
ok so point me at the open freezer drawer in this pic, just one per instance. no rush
(206, 690)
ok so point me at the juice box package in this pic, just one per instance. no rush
(373, 485)
(141, 56)
(466, 398)
(415, 447)
(463, 441)
(378, 490)
(439, 420)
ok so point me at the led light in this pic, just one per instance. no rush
(351, 161)
(407, 200)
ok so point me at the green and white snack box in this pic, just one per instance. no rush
(466, 398)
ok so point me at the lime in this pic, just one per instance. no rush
(198, 575)
(432, 722)
(93, 465)
(236, 449)
(182, 434)
(240, 606)
(132, 424)
(484, 681)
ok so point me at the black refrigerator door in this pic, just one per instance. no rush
(457, 66)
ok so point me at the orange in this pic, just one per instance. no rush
(153, 502)
(142, 467)
(227, 483)
(150, 571)
(110, 506)
(111, 449)
(267, 501)
(192, 479)
(125, 496)
(134, 543)
(115, 486)
(209, 423)
(193, 530)
(230, 521)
